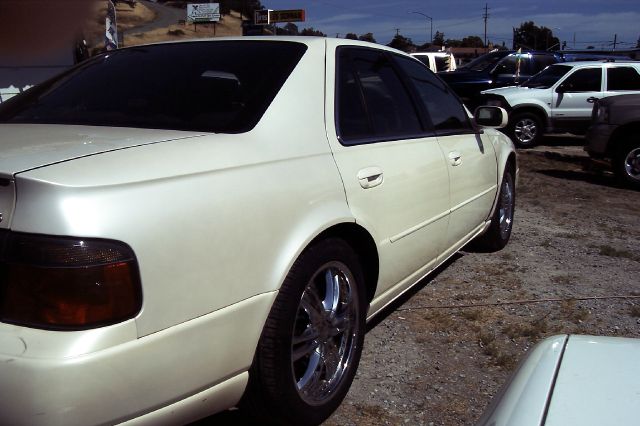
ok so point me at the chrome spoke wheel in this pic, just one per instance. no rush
(632, 164)
(324, 333)
(526, 130)
(505, 209)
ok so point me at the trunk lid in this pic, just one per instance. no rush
(30, 146)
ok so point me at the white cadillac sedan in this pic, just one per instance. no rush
(194, 226)
(572, 380)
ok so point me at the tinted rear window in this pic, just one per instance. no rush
(222, 87)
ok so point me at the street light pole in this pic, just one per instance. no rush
(430, 24)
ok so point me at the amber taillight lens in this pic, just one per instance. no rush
(65, 283)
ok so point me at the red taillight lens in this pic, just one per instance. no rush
(67, 283)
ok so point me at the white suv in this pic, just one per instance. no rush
(437, 61)
(560, 98)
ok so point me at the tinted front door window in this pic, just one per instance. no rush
(586, 80)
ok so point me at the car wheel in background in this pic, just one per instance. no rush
(499, 232)
(626, 163)
(525, 129)
(311, 344)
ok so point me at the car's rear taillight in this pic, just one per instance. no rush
(65, 283)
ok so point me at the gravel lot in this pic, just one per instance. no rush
(439, 355)
(572, 266)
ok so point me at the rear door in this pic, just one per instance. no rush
(394, 173)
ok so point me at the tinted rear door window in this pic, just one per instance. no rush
(198, 86)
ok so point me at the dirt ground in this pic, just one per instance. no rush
(572, 266)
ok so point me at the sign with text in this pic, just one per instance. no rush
(203, 12)
(296, 15)
(261, 17)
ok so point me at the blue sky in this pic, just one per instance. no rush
(591, 22)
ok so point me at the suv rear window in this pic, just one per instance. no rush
(222, 87)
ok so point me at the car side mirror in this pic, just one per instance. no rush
(491, 117)
(563, 88)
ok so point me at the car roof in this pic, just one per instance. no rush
(604, 63)
(311, 41)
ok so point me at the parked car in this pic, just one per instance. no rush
(572, 380)
(613, 135)
(560, 98)
(496, 69)
(437, 61)
(582, 56)
(191, 226)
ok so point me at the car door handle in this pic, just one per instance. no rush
(370, 177)
(592, 99)
(455, 158)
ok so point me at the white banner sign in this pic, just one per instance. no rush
(203, 12)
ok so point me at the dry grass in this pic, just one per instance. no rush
(127, 16)
(230, 26)
(606, 250)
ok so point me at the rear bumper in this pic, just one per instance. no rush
(174, 376)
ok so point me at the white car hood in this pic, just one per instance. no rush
(598, 383)
(29, 146)
(512, 91)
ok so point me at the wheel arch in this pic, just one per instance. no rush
(620, 135)
(532, 109)
(363, 244)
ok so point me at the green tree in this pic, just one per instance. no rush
(312, 32)
(246, 7)
(402, 43)
(453, 43)
(291, 28)
(530, 36)
(351, 36)
(438, 39)
(472, 41)
(367, 37)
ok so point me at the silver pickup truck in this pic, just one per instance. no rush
(613, 135)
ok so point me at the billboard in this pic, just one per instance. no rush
(203, 12)
(268, 16)
(296, 15)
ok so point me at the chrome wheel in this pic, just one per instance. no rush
(526, 131)
(505, 209)
(325, 332)
(632, 164)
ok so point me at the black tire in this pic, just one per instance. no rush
(626, 164)
(499, 232)
(525, 129)
(284, 388)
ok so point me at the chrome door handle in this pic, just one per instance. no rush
(592, 99)
(370, 177)
(455, 158)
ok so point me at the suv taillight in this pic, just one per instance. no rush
(66, 283)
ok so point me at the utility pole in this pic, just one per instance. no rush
(615, 41)
(397, 32)
(485, 17)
